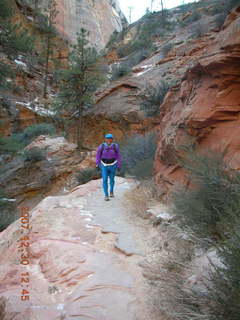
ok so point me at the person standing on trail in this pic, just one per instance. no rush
(108, 159)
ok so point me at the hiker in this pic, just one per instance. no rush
(108, 159)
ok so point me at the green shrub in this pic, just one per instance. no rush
(138, 154)
(194, 16)
(132, 60)
(18, 141)
(14, 40)
(199, 29)
(152, 25)
(190, 19)
(112, 39)
(34, 155)
(209, 207)
(153, 98)
(11, 144)
(220, 19)
(224, 6)
(233, 3)
(166, 48)
(32, 132)
(8, 213)
(6, 9)
(87, 175)
(219, 295)
(120, 70)
(138, 56)
(225, 291)
(5, 72)
(212, 204)
(135, 46)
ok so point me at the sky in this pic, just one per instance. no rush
(139, 6)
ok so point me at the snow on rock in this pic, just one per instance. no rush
(142, 69)
(160, 212)
(9, 200)
(201, 268)
(20, 63)
(39, 109)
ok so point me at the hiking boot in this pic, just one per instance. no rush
(106, 198)
(111, 194)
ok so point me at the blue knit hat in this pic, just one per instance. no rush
(108, 136)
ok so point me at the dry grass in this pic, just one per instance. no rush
(140, 198)
(167, 270)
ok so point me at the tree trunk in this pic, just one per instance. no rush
(151, 5)
(162, 6)
(35, 10)
(79, 138)
(46, 68)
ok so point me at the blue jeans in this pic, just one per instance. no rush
(108, 171)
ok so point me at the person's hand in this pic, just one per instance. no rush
(97, 167)
(118, 169)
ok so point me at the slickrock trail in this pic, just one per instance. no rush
(84, 259)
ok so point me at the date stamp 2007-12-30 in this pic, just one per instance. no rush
(23, 249)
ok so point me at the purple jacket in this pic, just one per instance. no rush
(109, 153)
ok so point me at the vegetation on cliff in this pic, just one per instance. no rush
(79, 82)
(14, 40)
(138, 155)
(209, 213)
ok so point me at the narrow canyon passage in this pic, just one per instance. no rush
(84, 259)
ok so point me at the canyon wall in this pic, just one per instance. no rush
(203, 102)
(100, 17)
(205, 107)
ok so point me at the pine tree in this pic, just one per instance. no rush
(13, 40)
(79, 82)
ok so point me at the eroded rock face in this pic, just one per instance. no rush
(29, 181)
(100, 17)
(206, 106)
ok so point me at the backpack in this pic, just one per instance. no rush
(103, 145)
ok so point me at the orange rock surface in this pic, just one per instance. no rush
(206, 106)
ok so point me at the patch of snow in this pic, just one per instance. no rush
(20, 63)
(165, 216)
(115, 12)
(89, 226)
(39, 110)
(60, 306)
(86, 213)
(24, 104)
(160, 212)
(43, 111)
(7, 199)
(146, 67)
(184, 236)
